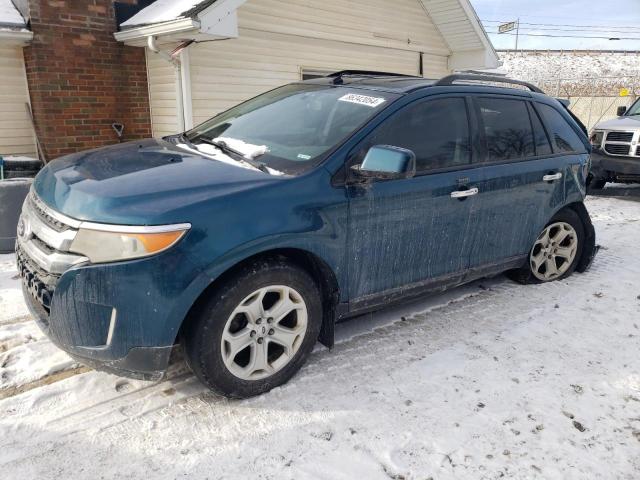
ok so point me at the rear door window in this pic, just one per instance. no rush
(566, 139)
(437, 131)
(507, 129)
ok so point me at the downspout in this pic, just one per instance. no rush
(151, 43)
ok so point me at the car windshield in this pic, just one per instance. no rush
(293, 128)
(634, 109)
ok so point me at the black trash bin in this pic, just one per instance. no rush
(12, 194)
(20, 167)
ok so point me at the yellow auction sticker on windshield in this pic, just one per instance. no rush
(362, 100)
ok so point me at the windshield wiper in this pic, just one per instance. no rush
(185, 139)
(232, 152)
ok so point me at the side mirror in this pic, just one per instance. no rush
(386, 162)
(621, 111)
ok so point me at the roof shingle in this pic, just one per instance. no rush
(10, 16)
(166, 11)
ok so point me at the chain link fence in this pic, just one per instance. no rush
(593, 99)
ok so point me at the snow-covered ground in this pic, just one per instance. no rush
(547, 65)
(490, 380)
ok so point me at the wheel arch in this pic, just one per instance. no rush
(589, 250)
(314, 265)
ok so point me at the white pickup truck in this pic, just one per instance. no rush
(616, 148)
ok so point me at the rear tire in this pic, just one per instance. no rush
(556, 251)
(255, 331)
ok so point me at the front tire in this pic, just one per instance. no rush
(255, 331)
(556, 252)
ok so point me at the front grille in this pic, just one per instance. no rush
(37, 282)
(620, 137)
(616, 149)
(44, 239)
(638, 151)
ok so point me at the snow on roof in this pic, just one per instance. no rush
(10, 16)
(165, 11)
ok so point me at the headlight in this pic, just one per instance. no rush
(112, 243)
(596, 138)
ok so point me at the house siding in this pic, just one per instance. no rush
(278, 38)
(16, 134)
(402, 24)
(162, 95)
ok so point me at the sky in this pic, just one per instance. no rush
(587, 18)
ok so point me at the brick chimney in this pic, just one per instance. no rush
(81, 80)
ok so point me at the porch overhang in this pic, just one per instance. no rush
(217, 21)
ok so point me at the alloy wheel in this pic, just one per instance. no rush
(264, 332)
(554, 251)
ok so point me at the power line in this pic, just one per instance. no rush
(572, 30)
(565, 25)
(564, 36)
(517, 13)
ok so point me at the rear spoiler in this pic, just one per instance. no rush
(566, 103)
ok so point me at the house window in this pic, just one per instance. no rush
(311, 73)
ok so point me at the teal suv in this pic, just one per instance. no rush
(247, 238)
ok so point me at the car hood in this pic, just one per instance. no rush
(152, 182)
(620, 123)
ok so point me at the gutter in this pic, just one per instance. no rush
(177, 65)
(19, 37)
(157, 29)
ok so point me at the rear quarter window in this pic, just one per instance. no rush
(543, 146)
(566, 139)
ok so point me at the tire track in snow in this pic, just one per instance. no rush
(46, 380)
(16, 320)
(180, 385)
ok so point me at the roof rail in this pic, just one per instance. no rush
(450, 79)
(338, 80)
(367, 73)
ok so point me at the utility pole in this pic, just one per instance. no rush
(517, 32)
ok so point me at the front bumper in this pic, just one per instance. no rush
(608, 167)
(141, 363)
(121, 318)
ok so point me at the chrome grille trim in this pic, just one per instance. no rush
(55, 262)
(45, 237)
(619, 143)
(58, 240)
(46, 211)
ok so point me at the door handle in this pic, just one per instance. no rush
(552, 176)
(464, 193)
